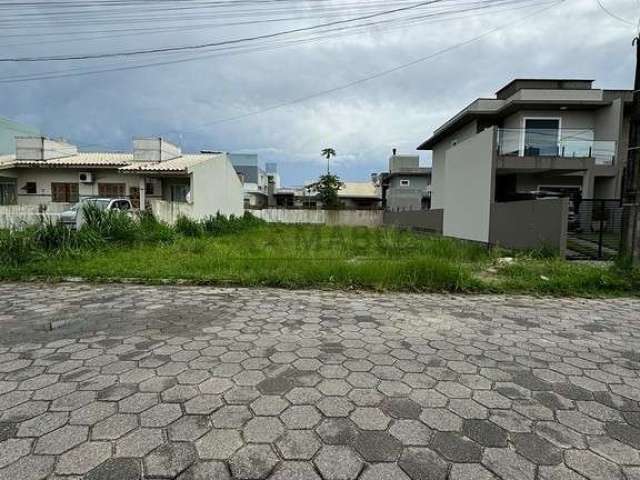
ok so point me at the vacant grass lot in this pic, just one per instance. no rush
(302, 256)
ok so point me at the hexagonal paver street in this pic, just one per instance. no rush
(191, 383)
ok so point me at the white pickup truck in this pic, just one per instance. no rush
(72, 217)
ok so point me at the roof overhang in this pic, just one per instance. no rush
(511, 107)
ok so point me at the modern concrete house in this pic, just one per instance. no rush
(552, 135)
(259, 184)
(407, 185)
(52, 174)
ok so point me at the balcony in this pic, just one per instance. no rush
(553, 143)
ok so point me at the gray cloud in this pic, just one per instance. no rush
(574, 39)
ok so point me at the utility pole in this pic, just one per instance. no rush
(631, 187)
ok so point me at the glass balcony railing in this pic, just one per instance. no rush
(571, 143)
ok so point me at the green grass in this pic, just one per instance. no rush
(251, 253)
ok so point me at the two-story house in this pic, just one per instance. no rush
(550, 135)
(407, 185)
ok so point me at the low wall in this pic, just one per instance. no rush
(428, 220)
(353, 218)
(530, 224)
(169, 212)
(19, 216)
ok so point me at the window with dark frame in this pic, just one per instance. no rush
(112, 190)
(64, 192)
(30, 187)
(148, 188)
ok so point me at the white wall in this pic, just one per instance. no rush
(169, 212)
(468, 188)
(438, 170)
(45, 176)
(19, 216)
(353, 218)
(215, 187)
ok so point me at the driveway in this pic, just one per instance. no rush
(127, 381)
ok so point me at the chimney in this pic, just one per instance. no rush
(155, 149)
(38, 149)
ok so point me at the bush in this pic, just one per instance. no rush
(154, 231)
(220, 225)
(17, 247)
(111, 225)
(188, 227)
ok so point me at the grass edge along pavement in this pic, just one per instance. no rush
(246, 251)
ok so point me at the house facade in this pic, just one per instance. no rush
(352, 196)
(53, 175)
(552, 135)
(259, 184)
(407, 185)
(536, 135)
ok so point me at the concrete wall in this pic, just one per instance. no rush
(407, 197)
(530, 224)
(353, 218)
(19, 216)
(430, 220)
(578, 119)
(169, 212)
(154, 150)
(215, 187)
(468, 188)
(438, 169)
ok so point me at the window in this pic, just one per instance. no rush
(30, 187)
(148, 188)
(112, 190)
(120, 205)
(179, 193)
(404, 182)
(541, 136)
(7, 192)
(64, 192)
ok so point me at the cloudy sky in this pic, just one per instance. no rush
(266, 95)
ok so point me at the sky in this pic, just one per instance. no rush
(253, 100)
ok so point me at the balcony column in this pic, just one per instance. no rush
(587, 184)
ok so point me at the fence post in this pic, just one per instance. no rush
(601, 228)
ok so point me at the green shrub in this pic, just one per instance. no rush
(221, 225)
(111, 225)
(17, 247)
(188, 227)
(151, 230)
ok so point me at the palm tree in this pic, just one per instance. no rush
(328, 153)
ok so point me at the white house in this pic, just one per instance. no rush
(52, 174)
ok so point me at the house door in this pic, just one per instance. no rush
(541, 136)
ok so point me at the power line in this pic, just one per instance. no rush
(613, 15)
(215, 44)
(376, 75)
(235, 50)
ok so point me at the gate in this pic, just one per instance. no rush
(594, 229)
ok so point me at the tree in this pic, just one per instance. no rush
(328, 153)
(327, 188)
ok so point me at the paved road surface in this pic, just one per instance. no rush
(126, 382)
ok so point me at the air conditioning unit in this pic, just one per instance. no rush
(85, 177)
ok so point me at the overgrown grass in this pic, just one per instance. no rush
(246, 251)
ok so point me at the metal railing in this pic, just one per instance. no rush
(567, 143)
(594, 229)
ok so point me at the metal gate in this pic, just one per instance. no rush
(594, 229)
